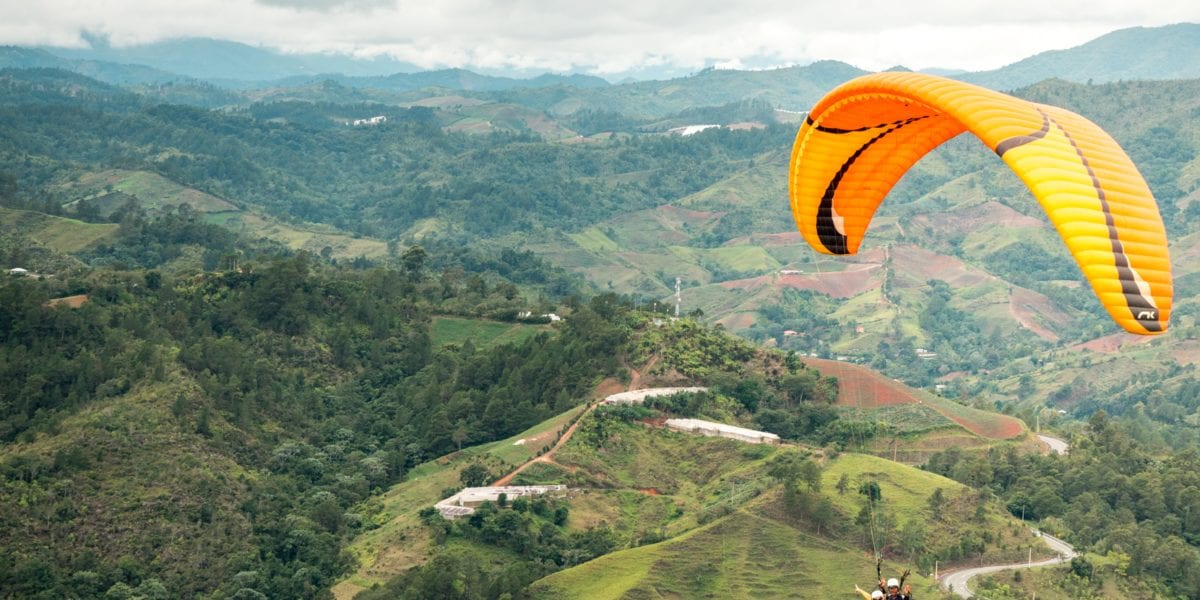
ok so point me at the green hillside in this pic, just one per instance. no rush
(54, 233)
(395, 540)
(1133, 53)
(760, 549)
(174, 432)
(692, 516)
(794, 88)
(272, 351)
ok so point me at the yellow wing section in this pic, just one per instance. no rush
(861, 138)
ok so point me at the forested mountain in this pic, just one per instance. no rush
(267, 283)
(630, 209)
(1119, 494)
(232, 62)
(14, 57)
(1137, 53)
(196, 436)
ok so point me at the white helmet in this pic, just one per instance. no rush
(876, 595)
(893, 583)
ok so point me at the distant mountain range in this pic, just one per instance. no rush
(1168, 52)
(1137, 53)
(217, 60)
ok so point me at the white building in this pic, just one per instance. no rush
(465, 501)
(712, 429)
(18, 271)
(639, 396)
(687, 130)
(372, 121)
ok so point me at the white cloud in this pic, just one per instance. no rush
(607, 37)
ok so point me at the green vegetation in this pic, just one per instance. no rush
(1110, 495)
(271, 403)
(296, 334)
(761, 539)
(483, 334)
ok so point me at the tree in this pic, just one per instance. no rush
(474, 475)
(937, 500)
(871, 490)
(460, 434)
(1082, 567)
(912, 537)
(413, 261)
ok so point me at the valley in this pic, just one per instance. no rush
(248, 345)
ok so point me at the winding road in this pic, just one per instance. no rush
(956, 582)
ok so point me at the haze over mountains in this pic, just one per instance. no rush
(1166, 52)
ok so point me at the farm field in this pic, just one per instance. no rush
(484, 334)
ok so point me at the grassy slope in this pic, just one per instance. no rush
(155, 192)
(744, 555)
(754, 553)
(484, 334)
(710, 499)
(863, 389)
(152, 190)
(56, 233)
(398, 541)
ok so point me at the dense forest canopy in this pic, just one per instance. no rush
(244, 402)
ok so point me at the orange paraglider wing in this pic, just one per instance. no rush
(864, 135)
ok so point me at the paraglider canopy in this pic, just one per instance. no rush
(864, 135)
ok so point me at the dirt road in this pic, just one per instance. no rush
(1057, 446)
(548, 456)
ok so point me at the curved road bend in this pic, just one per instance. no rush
(1057, 446)
(957, 581)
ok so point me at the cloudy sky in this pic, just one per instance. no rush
(607, 37)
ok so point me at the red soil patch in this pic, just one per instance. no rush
(842, 284)
(745, 125)
(69, 301)
(919, 265)
(654, 422)
(996, 426)
(1110, 344)
(1187, 352)
(608, 387)
(861, 387)
(853, 281)
(650, 491)
(737, 322)
(1027, 306)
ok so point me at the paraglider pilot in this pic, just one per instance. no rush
(891, 588)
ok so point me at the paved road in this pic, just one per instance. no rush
(1057, 446)
(957, 581)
